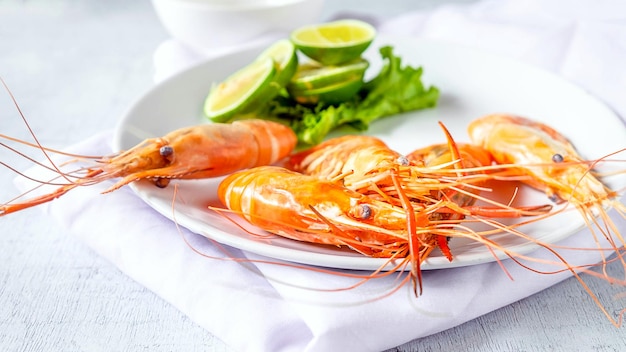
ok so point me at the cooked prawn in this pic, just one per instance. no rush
(312, 209)
(537, 150)
(366, 164)
(549, 163)
(194, 152)
(546, 160)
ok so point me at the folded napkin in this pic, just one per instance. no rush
(265, 307)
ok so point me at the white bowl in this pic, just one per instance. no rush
(216, 24)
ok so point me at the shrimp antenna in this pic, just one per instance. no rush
(31, 132)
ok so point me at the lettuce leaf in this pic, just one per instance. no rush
(394, 90)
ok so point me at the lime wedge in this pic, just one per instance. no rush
(239, 90)
(312, 75)
(334, 43)
(333, 94)
(283, 52)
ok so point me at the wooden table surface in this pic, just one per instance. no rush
(75, 67)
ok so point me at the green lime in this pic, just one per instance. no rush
(283, 52)
(312, 75)
(334, 43)
(333, 94)
(239, 90)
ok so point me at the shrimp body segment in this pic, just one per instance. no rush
(438, 154)
(201, 151)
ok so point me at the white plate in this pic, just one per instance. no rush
(472, 84)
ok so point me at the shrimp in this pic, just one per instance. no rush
(320, 211)
(357, 155)
(307, 208)
(537, 150)
(194, 152)
(547, 161)
(316, 210)
(365, 164)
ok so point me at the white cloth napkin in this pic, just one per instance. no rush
(264, 307)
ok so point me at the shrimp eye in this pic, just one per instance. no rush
(364, 211)
(557, 158)
(162, 182)
(166, 150)
(403, 160)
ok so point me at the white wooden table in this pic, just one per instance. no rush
(75, 67)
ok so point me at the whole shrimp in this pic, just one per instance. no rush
(195, 152)
(547, 161)
(365, 164)
(542, 153)
(315, 210)
(353, 156)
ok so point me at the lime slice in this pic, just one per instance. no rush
(333, 94)
(334, 43)
(239, 90)
(310, 76)
(283, 52)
